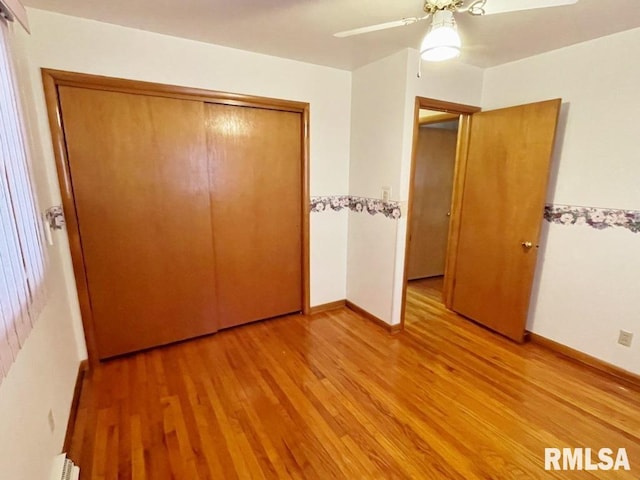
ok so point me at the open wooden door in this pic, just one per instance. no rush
(507, 170)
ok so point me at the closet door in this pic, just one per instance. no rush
(139, 170)
(256, 177)
(432, 188)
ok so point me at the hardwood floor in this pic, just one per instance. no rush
(333, 396)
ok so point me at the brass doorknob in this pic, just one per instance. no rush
(527, 244)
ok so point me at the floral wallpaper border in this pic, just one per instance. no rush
(595, 217)
(373, 206)
(55, 217)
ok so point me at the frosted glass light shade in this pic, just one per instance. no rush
(442, 42)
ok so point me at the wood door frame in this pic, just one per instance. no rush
(52, 79)
(464, 112)
(440, 118)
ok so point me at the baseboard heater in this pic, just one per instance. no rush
(64, 469)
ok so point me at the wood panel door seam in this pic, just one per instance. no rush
(53, 79)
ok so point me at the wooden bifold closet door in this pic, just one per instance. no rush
(256, 189)
(189, 214)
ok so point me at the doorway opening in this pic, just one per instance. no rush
(440, 131)
(433, 171)
(502, 156)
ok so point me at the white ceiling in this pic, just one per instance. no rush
(303, 29)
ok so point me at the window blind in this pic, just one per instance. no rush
(22, 259)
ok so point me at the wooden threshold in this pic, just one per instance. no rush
(369, 316)
(584, 359)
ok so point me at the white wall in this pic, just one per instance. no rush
(451, 82)
(383, 102)
(377, 107)
(588, 280)
(79, 45)
(377, 111)
(44, 374)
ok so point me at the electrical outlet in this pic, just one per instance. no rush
(625, 338)
(52, 421)
(386, 194)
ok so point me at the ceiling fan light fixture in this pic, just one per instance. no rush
(442, 42)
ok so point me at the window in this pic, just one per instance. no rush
(21, 251)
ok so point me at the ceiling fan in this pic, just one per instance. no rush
(442, 41)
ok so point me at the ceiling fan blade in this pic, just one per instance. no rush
(381, 26)
(491, 7)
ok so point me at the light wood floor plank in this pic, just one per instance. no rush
(334, 396)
